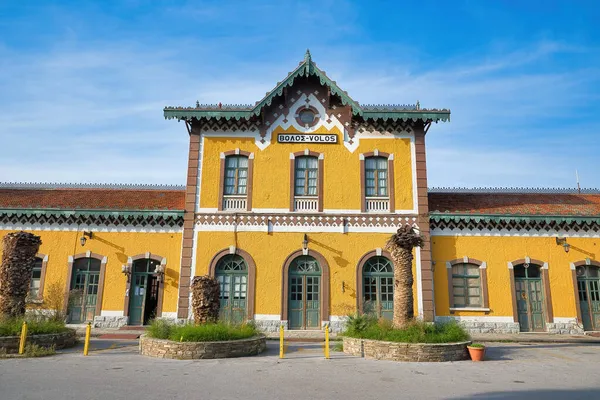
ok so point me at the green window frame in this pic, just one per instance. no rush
(36, 279)
(376, 177)
(236, 175)
(466, 285)
(306, 175)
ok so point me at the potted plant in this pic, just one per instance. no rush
(476, 351)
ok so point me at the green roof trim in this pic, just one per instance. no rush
(305, 69)
(53, 216)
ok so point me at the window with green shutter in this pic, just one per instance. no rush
(306, 176)
(466, 285)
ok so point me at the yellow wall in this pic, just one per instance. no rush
(497, 252)
(269, 251)
(59, 245)
(272, 170)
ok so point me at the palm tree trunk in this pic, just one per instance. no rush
(18, 257)
(403, 287)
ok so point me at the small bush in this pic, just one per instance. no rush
(338, 346)
(210, 332)
(36, 325)
(477, 345)
(416, 332)
(33, 350)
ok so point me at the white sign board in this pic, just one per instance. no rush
(305, 138)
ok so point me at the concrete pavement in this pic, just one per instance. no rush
(114, 370)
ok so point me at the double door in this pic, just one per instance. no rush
(304, 301)
(83, 295)
(530, 304)
(232, 297)
(143, 298)
(379, 296)
(588, 286)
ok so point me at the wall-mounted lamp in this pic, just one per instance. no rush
(83, 239)
(305, 244)
(562, 241)
(159, 271)
(126, 269)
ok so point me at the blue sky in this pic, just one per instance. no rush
(83, 84)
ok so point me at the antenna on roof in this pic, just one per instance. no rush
(577, 178)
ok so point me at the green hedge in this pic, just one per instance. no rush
(161, 329)
(366, 327)
(35, 326)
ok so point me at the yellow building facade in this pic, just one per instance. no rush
(289, 204)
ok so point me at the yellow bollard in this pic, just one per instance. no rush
(23, 338)
(281, 341)
(327, 341)
(88, 333)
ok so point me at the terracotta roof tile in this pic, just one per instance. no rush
(93, 199)
(516, 204)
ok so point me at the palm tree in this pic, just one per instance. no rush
(18, 257)
(401, 246)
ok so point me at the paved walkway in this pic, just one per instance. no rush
(114, 370)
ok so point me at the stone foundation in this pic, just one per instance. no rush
(413, 352)
(566, 328)
(269, 325)
(161, 348)
(490, 327)
(110, 322)
(60, 341)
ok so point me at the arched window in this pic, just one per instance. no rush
(235, 190)
(232, 274)
(378, 287)
(377, 182)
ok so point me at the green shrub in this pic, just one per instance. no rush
(416, 332)
(477, 345)
(36, 325)
(33, 350)
(161, 329)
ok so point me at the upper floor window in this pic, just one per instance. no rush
(376, 177)
(236, 175)
(306, 176)
(36, 279)
(466, 285)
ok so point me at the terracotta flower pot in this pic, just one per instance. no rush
(476, 353)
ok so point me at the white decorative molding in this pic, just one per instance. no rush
(111, 313)
(232, 249)
(94, 228)
(378, 252)
(483, 309)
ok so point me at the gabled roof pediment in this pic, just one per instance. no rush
(307, 68)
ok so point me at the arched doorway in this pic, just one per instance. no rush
(235, 270)
(588, 288)
(529, 295)
(378, 287)
(85, 281)
(144, 291)
(232, 274)
(304, 304)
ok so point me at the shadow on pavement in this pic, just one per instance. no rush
(536, 394)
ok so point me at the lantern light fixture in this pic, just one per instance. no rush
(562, 241)
(83, 239)
(159, 271)
(126, 269)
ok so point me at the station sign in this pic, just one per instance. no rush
(306, 138)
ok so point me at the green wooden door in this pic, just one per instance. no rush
(84, 290)
(304, 302)
(378, 288)
(232, 274)
(143, 292)
(530, 298)
(588, 285)
(137, 298)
